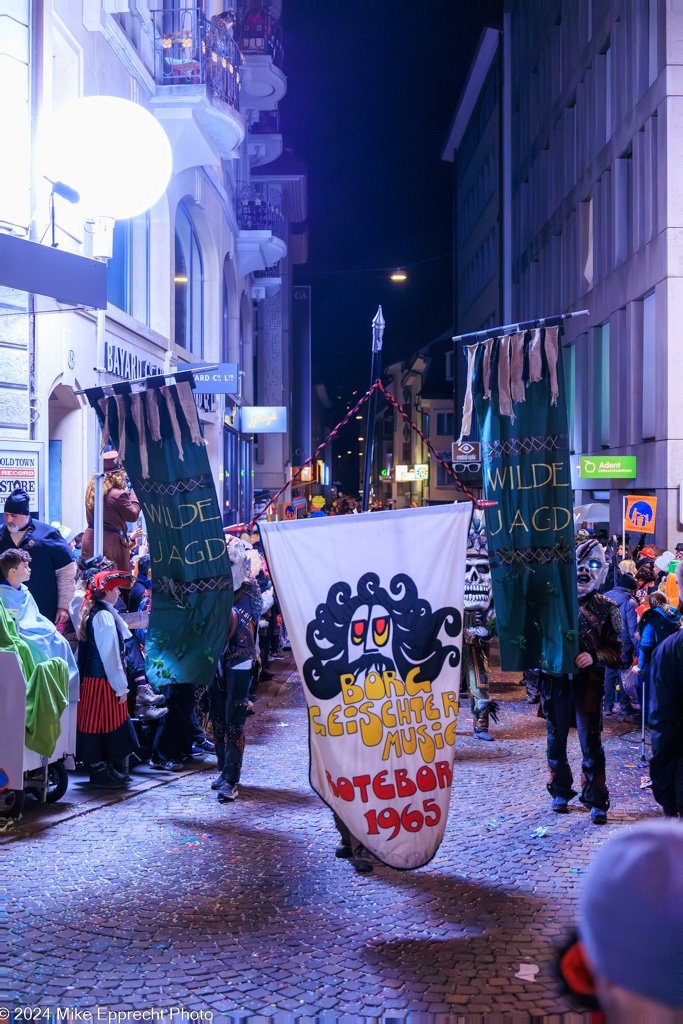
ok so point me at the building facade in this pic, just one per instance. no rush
(596, 208)
(183, 282)
(587, 194)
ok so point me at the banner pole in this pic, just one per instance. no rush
(378, 324)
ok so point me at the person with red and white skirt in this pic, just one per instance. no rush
(105, 733)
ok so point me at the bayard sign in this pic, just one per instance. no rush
(374, 606)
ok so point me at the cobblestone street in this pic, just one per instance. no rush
(166, 898)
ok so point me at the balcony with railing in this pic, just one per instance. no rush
(197, 65)
(265, 138)
(260, 40)
(267, 282)
(260, 218)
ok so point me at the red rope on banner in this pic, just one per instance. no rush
(364, 398)
(320, 447)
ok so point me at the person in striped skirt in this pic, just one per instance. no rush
(105, 733)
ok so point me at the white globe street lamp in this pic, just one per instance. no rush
(112, 151)
(117, 156)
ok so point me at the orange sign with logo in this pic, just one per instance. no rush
(641, 511)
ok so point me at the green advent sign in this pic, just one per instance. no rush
(601, 468)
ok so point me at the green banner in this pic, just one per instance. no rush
(616, 467)
(516, 384)
(165, 457)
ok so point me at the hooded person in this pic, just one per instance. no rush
(105, 733)
(229, 695)
(41, 635)
(576, 698)
(630, 928)
(120, 508)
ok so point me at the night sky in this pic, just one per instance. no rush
(371, 91)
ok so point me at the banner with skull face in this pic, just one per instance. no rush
(374, 607)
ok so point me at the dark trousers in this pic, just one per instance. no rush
(228, 715)
(568, 702)
(173, 740)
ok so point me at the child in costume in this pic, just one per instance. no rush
(42, 636)
(105, 731)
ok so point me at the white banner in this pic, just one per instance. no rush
(373, 605)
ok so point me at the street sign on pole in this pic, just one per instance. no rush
(641, 511)
(219, 380)
(615, 467)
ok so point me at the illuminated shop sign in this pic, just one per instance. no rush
(406, 474)
(264, 419)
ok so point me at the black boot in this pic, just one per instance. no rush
(481, 712)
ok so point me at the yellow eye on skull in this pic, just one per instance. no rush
(358, 630)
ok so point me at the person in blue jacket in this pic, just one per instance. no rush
(658, 622)
(666, 720)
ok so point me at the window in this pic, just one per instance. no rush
(119, 268)
(653, 60)
(128, 268)
(605, 374)
(648, 375)
(443, 477)
(622, 208)
(189, 285)
(586, 228)
(445, 424)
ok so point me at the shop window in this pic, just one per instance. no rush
(189, 285)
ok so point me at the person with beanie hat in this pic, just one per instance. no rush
(52, 566)
(666, 720)
(630, 949)
(623, 596)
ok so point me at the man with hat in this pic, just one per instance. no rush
(52, 565)
(120, 508)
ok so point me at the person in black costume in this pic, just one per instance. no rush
(576, 698)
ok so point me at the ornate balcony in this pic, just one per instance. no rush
(197, 69)
(260, 40)
(261, 239)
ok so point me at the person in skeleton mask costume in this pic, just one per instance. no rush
(479, 628)
(577, 698)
